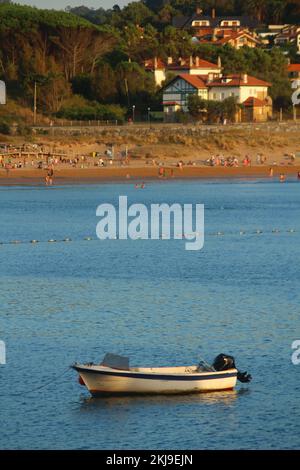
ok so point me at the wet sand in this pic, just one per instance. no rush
(95, 175)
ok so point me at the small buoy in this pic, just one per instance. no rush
(67, 240)
(15, 242)
(242, 232)
(34, 241)
(88, 238)
(51, 241)
(258, 232)
(275, 230)
(291, 230)
(220, 234)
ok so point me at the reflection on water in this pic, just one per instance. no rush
(224, 397)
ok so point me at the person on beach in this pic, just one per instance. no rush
(161, 172)
(298, 175)
(49, 177)
(271, 173)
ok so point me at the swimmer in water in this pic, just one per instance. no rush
(282, 178)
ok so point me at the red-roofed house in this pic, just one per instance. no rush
(190, 65)
(247, 90)
(294, 72)
(237, 39)
(177, 91)
(240, 86)
(256, 110)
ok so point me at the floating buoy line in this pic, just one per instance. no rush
(163, 237)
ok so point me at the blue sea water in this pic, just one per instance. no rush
(157, 303)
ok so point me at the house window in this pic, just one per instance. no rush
(200, 23)
(215, 96)
(230, 23)
(222, 96)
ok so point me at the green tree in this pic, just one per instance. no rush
(175, 42)
(257, 9)
(104, 84)
(139, 43)
(197, 107)
(137, 13)
(135, 86)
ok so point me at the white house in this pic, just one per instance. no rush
(214, 88)
(241, 87)
(190, 65)
(176, 93)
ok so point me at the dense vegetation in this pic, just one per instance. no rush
(87, 63)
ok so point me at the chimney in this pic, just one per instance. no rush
(213, 13)
(199, 11)
(197, 61)
(191, 61)
(219, 63)
(245, 78)
(170, 60)
(210, 77)
(155, 63)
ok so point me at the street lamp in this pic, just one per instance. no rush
(149, 109)
(133, 111)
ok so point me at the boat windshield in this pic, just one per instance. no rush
(205, 367)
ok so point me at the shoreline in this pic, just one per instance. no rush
(97, 175)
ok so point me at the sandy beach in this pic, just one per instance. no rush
(94, 175)
(84, 159)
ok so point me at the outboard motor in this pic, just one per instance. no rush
(225, 362)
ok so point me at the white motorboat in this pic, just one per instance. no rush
(114, 376)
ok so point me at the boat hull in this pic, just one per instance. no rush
(110, 382)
